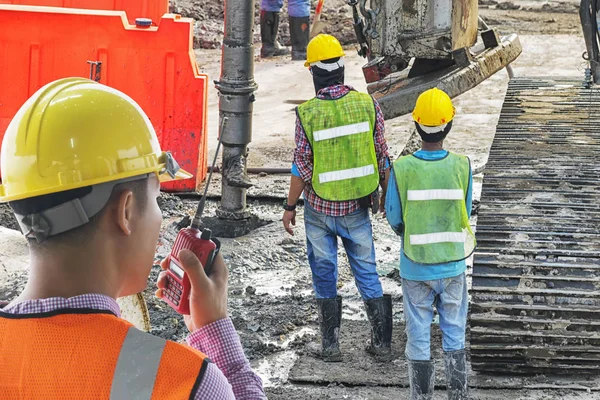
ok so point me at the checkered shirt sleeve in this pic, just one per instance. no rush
(381, 147)
(303, 156)
(221, 343)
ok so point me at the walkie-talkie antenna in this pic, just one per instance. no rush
(197, 218)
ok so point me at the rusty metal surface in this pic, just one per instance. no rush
(465, 19)
(424, 28)
(397, 93)
(536, 275)
(412, 28)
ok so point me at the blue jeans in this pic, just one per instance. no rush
(450, 298)
(356, 232)
(296, 8)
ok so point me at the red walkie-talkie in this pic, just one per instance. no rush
(199, 241)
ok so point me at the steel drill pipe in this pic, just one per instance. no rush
(236, 94)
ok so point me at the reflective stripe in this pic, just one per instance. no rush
(345, 130)
(439, 237)
(435, 194)
(137, 366)
(346, 174)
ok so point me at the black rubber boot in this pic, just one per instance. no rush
(330, 319)
(379, 312)
(299, 31)
(456, 375)
(421, 376)
(269, 26)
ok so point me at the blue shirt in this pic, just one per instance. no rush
(393, 208)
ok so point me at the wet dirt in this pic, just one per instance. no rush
(7, 218)
(338, 392)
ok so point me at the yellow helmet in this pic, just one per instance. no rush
(433, 108)
(74, 133)
(323, 47)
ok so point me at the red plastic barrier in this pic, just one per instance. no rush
(156, 66)
(153, 9)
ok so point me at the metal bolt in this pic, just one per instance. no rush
(550, 285)
(528, 283)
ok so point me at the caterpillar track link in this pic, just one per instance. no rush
(536, 273)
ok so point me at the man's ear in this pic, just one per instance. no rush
(124, 211)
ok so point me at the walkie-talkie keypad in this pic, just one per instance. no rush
(173, 290)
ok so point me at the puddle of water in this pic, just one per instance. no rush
(275, 369)
(289, 338)
(279, 282)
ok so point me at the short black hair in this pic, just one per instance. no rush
(84, 233)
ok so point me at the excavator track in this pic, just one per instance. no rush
(535, 298)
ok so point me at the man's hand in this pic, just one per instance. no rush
(208, 296)
(382, 205)
(289, 217)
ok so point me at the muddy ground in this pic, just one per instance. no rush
(271, 301)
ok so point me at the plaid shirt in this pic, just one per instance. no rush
(303, 157)
(229, 376)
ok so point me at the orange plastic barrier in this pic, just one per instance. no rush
(156, 66)
(152, 9)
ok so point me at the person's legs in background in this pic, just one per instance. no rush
(269, 27)
(299, 15)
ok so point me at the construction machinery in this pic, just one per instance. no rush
(414, 45)
(535, 284)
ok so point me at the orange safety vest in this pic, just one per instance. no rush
(91, 354)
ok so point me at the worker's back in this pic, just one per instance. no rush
(340, 133)
(86, 354)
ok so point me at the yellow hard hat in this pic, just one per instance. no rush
(433, 108)
(323, 47)
(74, 133)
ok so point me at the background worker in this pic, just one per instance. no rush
(428, 202)
(299, 19)
(340, 160)
(81, 166)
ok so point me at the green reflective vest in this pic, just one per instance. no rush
(340, 133)
(433, 193)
